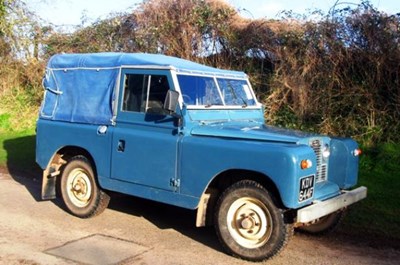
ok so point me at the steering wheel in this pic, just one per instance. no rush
(187, 99)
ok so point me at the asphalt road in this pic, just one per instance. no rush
(135, 231)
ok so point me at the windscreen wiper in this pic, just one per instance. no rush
(235, 96)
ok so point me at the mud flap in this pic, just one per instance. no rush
(48, 186)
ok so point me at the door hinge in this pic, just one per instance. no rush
(175, 182)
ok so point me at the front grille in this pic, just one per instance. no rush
(321, 174)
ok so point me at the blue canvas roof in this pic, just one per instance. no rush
(110, 59)
(81, 87)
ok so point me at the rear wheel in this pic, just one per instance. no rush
(248, 223)
(79, 190)
(324, 224)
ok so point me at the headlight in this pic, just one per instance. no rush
(357, 152)
(326, 152)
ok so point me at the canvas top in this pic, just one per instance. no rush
(112, 59)
(82, 87)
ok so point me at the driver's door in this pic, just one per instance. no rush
(145, 142)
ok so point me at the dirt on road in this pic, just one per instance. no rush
(135, 231)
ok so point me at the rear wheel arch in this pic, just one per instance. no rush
(66, 152)
(71, 151)
(55, 166)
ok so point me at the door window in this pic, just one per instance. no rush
(144, 93)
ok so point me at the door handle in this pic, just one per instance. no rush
(121, 146)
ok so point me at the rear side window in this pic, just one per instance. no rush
(144, 93)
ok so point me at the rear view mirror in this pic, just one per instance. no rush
(171, 101)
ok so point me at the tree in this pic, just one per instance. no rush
(186, 28)
(4, 29)
(20, 30)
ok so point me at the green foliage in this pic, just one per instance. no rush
(286, 117)
(5, 122)
(20, 94)
(379, 213)
(19, 109)
(342, 74)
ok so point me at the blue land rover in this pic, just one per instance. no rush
(189, 135)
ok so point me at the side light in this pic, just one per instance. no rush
(357, 152)
(306, 163)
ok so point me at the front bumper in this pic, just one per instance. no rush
(322, 208)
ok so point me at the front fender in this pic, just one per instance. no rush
(204, 158)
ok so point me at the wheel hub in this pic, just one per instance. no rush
(80, 189)
(249, 222)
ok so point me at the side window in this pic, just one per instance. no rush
(145, 93)
(135, 91)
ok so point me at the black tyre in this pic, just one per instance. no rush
(79, 190)
(325, 224)
(248, 223)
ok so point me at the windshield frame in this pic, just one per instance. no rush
(215, 77)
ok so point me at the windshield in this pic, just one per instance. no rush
(210, 91)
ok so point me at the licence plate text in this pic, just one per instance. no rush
(306, 188)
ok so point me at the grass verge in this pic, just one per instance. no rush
(18, 114)
(379, 214)
(17, 150)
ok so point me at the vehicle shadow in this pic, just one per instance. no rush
(166, 217)
(22, 168)
(21, 163)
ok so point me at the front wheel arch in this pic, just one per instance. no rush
(227, 178)
(207, 203)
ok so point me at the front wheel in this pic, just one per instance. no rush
(248, 223)
(79, 190)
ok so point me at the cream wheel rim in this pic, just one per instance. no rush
(79, 187)
(249, 222)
